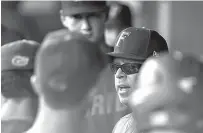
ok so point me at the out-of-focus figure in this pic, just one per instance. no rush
(67, 66)
(120, 18)
(41, 17)
(168, 96)
(12, 23)
(17, 62)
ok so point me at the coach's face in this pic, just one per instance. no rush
(126, 72)
(89, 24)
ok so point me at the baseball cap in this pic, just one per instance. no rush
(66, 62)
(138, 44)
(18, 55)
(172, 99)
(17, 64)
(78, 7)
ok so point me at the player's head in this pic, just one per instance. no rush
(67, 65)
(120, 18)
(169, 95)
(17, 62)
(133, 47)
(86, 17)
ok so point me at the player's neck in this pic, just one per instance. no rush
(20, 109)
(62, 121)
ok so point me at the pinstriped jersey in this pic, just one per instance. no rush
(125, 125)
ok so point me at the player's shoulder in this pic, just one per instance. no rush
(124, 125)
(15, 126)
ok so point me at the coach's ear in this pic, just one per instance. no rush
(35, 84)
(63, 20)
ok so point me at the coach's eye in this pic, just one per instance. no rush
(77, 16)
(133, 68)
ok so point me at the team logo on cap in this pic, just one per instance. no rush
(56, 85)
(20, 61)
(122, 37)
(155, 54)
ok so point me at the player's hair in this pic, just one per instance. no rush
(16, 84)
(122, 20)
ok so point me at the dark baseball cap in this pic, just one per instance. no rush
(18, 55)
(81, 7)
(138, 44)
(63, 63)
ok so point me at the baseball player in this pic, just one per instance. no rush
(88, 18)
(120, 18)
(132, 48)
(67, 66)
(17, 62)
(168, 98)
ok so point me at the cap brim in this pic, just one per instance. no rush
(125, 56)
(83, 10)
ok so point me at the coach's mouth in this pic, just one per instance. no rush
(123, 90)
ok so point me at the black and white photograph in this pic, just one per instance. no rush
(80, 66)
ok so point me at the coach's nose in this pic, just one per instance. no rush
(120, 74)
